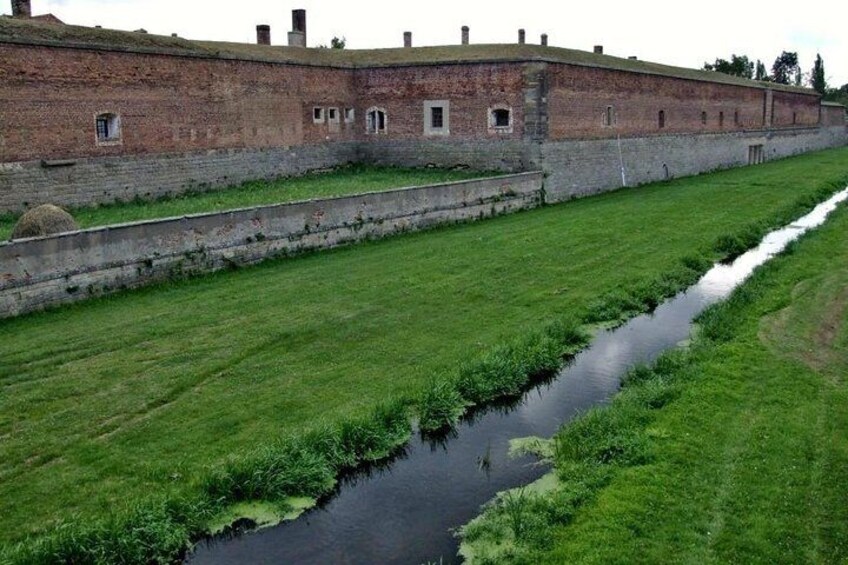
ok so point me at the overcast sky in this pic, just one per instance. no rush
(674, 32)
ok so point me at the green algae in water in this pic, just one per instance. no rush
(264, 514)
(490, 537)
(540, 447)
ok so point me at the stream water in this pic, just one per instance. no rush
(406, 510)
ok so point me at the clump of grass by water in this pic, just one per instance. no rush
(148, 532)
(309, 464)
(439, 406)
(624, 303)
(502, 372)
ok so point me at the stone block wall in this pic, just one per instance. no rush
(41, 272)
(81, 182)
(499, 155)
(584, 167)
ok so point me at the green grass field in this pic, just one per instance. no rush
(108, 401)
(733, 452)
(354, 179)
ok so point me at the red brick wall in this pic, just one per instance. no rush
(579, 97)
(795, 110)
(833, 116)
(471, 90)
(166, 104)
(50, 97)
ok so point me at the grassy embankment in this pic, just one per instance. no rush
(733, 451)
(354, 179)
(184, 390)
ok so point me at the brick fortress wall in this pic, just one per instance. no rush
(194, 122)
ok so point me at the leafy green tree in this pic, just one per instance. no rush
(817, 78)
(761, 73)
(786, 69)
(738, 65)
(335, 43)
(839, 95)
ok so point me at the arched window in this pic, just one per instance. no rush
(107, 128)
(721, 119)
(661, 119)
(703, 118)
(375, 121)
(736, 118)
(500, 119)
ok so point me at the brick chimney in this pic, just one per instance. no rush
(21, 9)
(465, 35)
(407, 39)
(263, 34)
(545, 39)
(297, 36)
(522, 37)
(599, 49)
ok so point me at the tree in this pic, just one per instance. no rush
(762, 74)
(335, 43)
(739, 65)
(839, 95)
(817, 78)
(785, 69)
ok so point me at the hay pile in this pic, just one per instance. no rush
(44, 220)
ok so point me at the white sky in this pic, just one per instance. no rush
(667, 31)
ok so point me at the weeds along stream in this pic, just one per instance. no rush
(406, 511)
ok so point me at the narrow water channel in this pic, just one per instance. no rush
(405, 511)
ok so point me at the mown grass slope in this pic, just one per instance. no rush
(108, 401)
(733, 452)
(353, 179)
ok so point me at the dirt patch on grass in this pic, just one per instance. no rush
(809, 329)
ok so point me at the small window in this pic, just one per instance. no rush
(794, 118)
(661, 119)
(736, 118)
(333, 115)
(609, 117)
(318, 115)
(500, 119)
(436, 117)
(703, 118)
(108, 128)
(349, 115)
(721, 119)
(375, 121)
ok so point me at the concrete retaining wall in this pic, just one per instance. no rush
(580, 168)
(40, 272)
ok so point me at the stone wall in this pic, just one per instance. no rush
(81, 182)
(41, 272)
(501, 155)
(580, 168)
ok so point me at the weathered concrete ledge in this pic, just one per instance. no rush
(41, 272)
